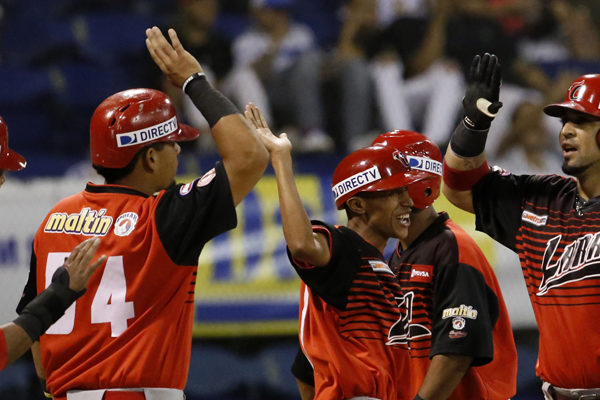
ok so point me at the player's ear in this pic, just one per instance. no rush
(356, 205)
(148, 159)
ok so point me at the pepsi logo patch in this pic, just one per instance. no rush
(421, 273)
(125, 224)
(457, 334)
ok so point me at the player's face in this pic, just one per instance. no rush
(389, 214)
(578, 143)
(169, 163)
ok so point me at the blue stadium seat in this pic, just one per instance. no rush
(110, 38)
(23, 86)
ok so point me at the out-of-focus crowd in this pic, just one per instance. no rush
(332, 74)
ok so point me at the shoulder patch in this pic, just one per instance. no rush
(380, 266)
(125, 223)
(207, 178)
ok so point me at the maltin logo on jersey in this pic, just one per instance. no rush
(87, 222)
(147, 134)
(125, 224)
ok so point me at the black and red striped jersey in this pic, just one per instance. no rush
(452, 304)
(557, 237)
(133, 326)
(348, 310)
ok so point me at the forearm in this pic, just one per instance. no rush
(297, 228)
(17, 341)
(444, 374)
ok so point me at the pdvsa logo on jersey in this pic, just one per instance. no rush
(380, 266)
(425, 164)
(125, 224)
(421, 273)
(457, 334)
(537, 220)
(86, 222)
(460, 311)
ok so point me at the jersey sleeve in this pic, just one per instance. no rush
(3, 350)
(465, 311)
(189, 215)
(332, 281)
(30, 290)
(497, 199)
(302, 370)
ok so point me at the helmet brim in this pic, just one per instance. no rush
(559, 109)
(12, 161)
(185, 133)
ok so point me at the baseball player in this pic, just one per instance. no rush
(349, 302)
(552, 222)
(455, 329)
(130, 336)
(68, 283)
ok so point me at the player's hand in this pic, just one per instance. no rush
(78, 263)
(173, 60)
(272, 143)
(481, 102)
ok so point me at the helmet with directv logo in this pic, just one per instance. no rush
(130, 120)
(583, 95)
(424, 158)
(371, 169)
(9, 159)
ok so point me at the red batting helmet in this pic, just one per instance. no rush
(370, 169)
(424, 158)
(130, 120)
(583, 95)
(9, 159)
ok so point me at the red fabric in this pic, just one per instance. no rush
(123, 395)
(3, 350)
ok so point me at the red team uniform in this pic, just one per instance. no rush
(557, 237)
(3, 350)
(351, 304)
(133, 327)
(453, 305)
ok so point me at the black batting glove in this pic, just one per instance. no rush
(481, 102)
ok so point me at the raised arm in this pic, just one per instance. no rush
(465, 162)
(304, 244)
(244, 157)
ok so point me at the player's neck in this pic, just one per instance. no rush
(419, 222)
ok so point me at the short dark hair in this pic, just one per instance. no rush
(112, 175)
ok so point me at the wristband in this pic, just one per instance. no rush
(467, 142)
(191, 78)
(210, 102)
(464, 180)
(48, 306)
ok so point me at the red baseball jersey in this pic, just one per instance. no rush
(347, 311)
(3, 350)
(133, 326)
(452, 304)
(557, 237)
